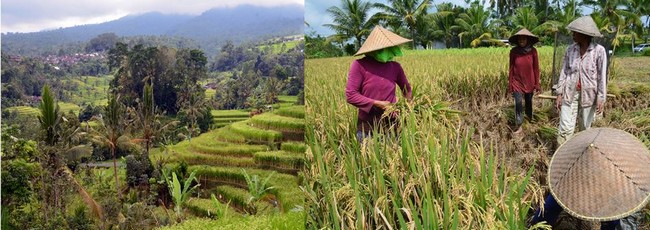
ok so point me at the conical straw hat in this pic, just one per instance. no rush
(601, 174)
(532, 39)
(380, 38)
(585, 25)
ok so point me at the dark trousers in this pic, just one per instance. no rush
(528, 97)
(552, 210)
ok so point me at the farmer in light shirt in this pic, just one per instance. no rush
(372, 80)
(581, 89)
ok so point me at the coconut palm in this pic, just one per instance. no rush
(473, 23)
(641, 8)
(623, 21)
(400, 12)
(526, 18)
(111, 131)
(443, 21)
(351, 21)
(147, 117)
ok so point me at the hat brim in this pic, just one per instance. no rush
(380, 38)
(514, 39)
(601, 174)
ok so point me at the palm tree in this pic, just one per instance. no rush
(443, 21)
(399, 12)
(641, 8)
(50, 120)
(147, 118)
(351, 21)
(112, 130)
(526, 18)
(192, 104)
(473, 23)
(50, 117)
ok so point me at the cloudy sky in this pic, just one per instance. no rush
(316, 15)
(36, 15)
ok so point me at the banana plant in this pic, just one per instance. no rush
(179, 194)
(257, 188)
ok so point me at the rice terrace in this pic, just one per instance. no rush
(456, 163)
(156, 121)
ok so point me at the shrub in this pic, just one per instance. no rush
(138, 169)
(80, 219)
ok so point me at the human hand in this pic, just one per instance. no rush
(381, 104)
(599, 107)
(558, 102)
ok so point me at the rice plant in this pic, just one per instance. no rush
(281, 159)
(277, 122)
(255, 134)
(293, 111)
(291, 146)
(435, 171)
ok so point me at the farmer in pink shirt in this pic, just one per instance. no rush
(372, 80)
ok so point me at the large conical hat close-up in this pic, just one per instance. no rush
(532, 39)
(585, 25)
(380, 38)
(601, 174)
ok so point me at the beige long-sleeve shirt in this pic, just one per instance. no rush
(590, 69)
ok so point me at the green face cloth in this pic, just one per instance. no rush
(386, 54)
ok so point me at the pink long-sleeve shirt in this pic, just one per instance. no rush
(370, 80)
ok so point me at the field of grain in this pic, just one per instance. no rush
(454, 163)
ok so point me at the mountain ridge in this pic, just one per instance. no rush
(214, 26)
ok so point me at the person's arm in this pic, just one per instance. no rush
(403, 83)
(538, 88)
(559, 87)
(601, 67)
(353, 89)
(511, 72)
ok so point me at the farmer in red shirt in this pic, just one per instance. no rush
(372, 80)
(523, 77)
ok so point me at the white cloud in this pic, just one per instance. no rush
(35, 15)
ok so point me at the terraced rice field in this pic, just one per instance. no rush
(90, 90)
(34, 112)
(257, 145)
(24, 111)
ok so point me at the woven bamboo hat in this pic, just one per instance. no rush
(380, 38)
(585, 25)
(601, 174)
(532, 39)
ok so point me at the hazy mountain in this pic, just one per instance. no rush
(213, 27)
